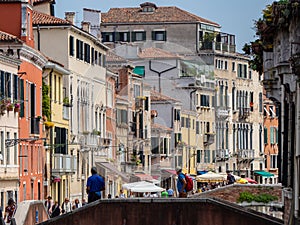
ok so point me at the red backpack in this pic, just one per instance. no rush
(189, 183)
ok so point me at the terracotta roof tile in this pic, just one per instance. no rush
(39, 18)
(156, 53)
(8, 37)
(161, 14)
(156, 96)
(111, 57)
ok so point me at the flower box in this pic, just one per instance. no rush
(49, 124)
(10, 107)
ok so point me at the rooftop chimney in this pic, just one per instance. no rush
(70, 16)
(86, 26)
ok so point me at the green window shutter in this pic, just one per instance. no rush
(117, 36)
(128, 36)
(144, 36)
(276, 133)
(165, 35)
(198, 156)
(266, 135)
(133, 38)
(2, 85)
(272, 135)
(71, 45)
(15, 87)
(22, 98)
(153, 35)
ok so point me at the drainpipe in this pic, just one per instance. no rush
(160, 72)
(38, 37)
(189, 131)
(297, 155)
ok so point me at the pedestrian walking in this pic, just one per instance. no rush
(48, 205)
(122, 195)
(9, 210)
(170, 192)
(95, 184)
(66, 206)
(230, 178)
(83, 202)
(181, 183)
(76, 204)
(55, 210)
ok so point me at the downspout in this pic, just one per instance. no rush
(189, 132)
(160, 72)
(39, 39)
(297, 155)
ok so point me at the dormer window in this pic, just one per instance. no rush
(148, 7)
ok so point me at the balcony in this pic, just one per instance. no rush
(217, 46)
(63, 164)
(208, 138)
(244, 113)
(246, 154)
(222, 112)
(222, 155)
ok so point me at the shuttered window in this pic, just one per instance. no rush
(266, 135)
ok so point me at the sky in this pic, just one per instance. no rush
(235, 16)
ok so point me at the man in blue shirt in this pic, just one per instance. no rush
(181, 183)
(95, 184)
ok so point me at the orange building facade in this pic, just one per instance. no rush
(271, 115)
(29, 141)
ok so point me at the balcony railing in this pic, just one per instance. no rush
(63, 164)
(245, 154)
(222, 154)
(244, 113)
(222, 112)
(212, 45)
(208, 138)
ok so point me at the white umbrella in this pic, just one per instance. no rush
(128, 186)
(210, 177)
(146, 188)
(236, 177)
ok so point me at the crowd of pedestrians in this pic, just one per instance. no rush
(55, 209)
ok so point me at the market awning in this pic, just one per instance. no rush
(140, 70)
(143, 176)
(171, 172)
(263, 173)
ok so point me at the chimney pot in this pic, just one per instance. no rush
(70, 16)
(86, 26)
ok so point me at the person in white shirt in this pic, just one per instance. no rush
(66, 206)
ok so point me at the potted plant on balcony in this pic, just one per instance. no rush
(48, 124)
(66, 102)
(16, 107)
(9, 106)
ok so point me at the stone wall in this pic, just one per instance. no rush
(149, 211)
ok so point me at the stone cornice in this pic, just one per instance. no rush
(33, 56)
(10, 60)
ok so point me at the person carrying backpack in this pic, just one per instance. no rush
(181, 183)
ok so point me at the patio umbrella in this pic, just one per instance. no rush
(242, 181)
(236, 177)
(250, 181)
(210, 177)
(146, 188)
(128, 186)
